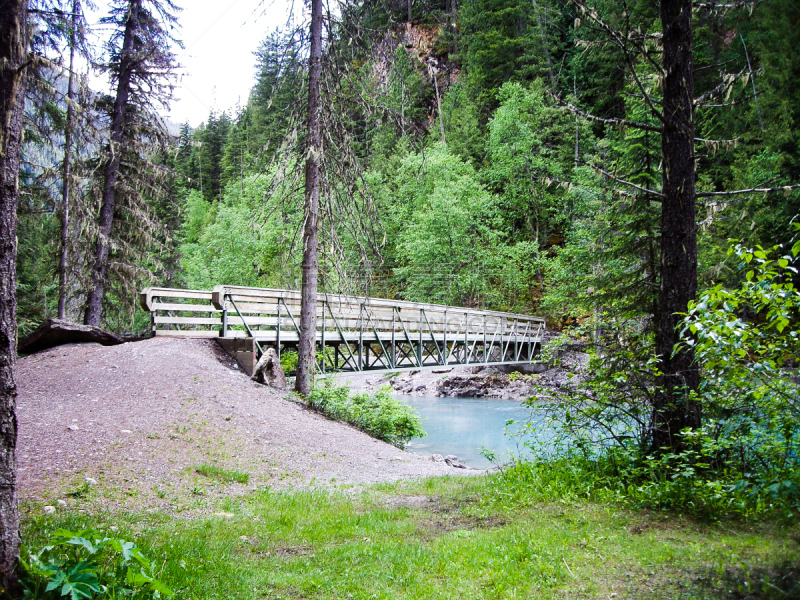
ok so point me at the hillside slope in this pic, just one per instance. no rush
(140, 418)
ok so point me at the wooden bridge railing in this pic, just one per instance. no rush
(360, 333)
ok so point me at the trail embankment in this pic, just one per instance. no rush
(139, 419)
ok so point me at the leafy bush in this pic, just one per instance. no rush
(378, 414)
(289, 360)
(84, 564)
(745, 457)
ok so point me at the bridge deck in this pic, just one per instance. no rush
(354, 333)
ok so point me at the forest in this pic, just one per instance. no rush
(454, 170)
(636, 184)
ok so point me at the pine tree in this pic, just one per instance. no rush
(76, 38)
(308, 309)
(141, 67)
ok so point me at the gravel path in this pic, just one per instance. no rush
(141, 417)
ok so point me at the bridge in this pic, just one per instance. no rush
(354, 333)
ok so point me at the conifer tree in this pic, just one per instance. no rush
(74, 21)
(141, 66)
(308, 309)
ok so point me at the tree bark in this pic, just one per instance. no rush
(439, 105)
(62, 263)
(674, 408)
(543, 34)
(308, 303)
(94, 301)
(13, 67)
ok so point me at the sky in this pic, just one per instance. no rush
(218, 66)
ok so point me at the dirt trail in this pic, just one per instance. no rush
(140, 418)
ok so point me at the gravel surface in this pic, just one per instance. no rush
(127, 426)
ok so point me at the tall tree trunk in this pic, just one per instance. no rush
(545, 48)
(62, 263)
(308, 303)
(94, 301)
(753, 81)
(674, 408)
(439, 105)
(13, 67)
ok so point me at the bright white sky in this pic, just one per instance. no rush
(219, 37)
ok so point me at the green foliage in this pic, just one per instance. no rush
(744, 458)
(83, 564)
(241, 240)
(378, 414)
(289, 361)
(525, 157)
(465, 135)
(449, 246)
(748, 339)
(504, 40)
(224, 475)
(37, 288)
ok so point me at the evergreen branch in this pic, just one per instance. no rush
(727, 82)
(716, 5)
(612, 121)
(785, 189)
(600, 171)
(622, 40)
(647, 191)
(729, 143)
(734, 102)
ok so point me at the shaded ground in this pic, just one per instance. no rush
(140, 418)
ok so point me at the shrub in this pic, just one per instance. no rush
(84, 564)
(378, 414)
(289, 361)
(744, 459)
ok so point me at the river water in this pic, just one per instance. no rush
(461, 426)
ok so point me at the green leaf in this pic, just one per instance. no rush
(83, 542)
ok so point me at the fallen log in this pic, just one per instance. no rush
(55, 332)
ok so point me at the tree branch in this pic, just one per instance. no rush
(628, 183)
(622, 40)
(785, 189)
(727, 81)
(613, 121)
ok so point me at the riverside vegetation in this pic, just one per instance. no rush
(500, 154)
(593, 518)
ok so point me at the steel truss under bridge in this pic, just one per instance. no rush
(354, 333)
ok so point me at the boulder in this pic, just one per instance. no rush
(453, 461)
(269, 370)
(463, 387)
(55, 332)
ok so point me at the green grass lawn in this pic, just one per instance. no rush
(448, 538)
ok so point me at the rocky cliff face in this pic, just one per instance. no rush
(430, 56)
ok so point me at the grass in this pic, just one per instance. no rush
(223, 475)
(449, 538)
